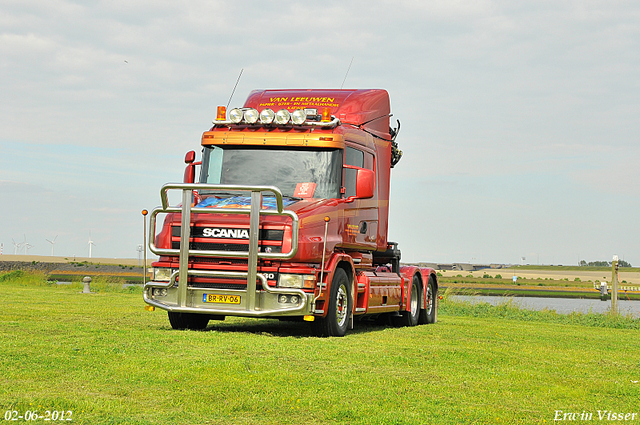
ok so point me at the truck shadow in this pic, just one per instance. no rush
(278, 328)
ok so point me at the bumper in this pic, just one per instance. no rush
(275, 302)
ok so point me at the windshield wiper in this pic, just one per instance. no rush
(291, 198)
(222, 194)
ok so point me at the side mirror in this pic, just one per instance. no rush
(190, 170)
(189, 174)
(365, 183)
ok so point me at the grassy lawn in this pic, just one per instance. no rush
(105, 359)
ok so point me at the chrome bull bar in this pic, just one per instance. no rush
(252, 255)
(208, 273)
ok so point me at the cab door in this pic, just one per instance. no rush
(360, 216)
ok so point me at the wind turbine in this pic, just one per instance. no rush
(26, 245)
(16, 247)
(52, 243)
(90, 243)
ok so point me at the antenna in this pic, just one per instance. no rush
(53, 243)
(90, 243)
(234, 88)
(345, 75)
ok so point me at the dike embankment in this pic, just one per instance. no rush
(65, 268)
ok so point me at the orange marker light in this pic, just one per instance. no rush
(326, 115)
(222, 113)
(145, 212)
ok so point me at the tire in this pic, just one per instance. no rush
(428, 314)
(411, 317)
(192, 321)
(339, 307)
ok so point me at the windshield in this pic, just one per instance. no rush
(304, 173)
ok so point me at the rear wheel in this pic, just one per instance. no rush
(193, 321)
(428, 313)
(338, 307)
(410, 317)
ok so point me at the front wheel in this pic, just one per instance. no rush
(338, 308)
(428, 313)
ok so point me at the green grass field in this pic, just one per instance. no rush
(106, 360)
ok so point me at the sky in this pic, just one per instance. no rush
(519, 120)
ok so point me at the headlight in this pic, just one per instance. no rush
(160, 292)
(267, 116)
(235, 115)
(251, 116)
(162, 275)
(282, 116)
(298, 117)
(307, 281)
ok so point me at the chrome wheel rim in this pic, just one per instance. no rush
(429, 299)
(342, 303)
(414, 300)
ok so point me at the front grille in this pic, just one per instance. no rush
(231, 247)
(212, 285)
(232, 239)
(200, 232)
(223, 261)
(224, 283)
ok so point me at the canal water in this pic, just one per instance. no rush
(560, 305)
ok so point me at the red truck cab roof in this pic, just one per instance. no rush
(368, 108)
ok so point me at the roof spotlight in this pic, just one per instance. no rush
(251, 116)
(299, 116)
(267, 116)
(235, 115)
(283, 116)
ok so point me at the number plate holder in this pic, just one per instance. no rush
(221, 298)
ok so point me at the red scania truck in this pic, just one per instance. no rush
(289, 219)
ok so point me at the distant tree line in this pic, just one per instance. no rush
(621, 263)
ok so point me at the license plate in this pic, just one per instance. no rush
(224, 299)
